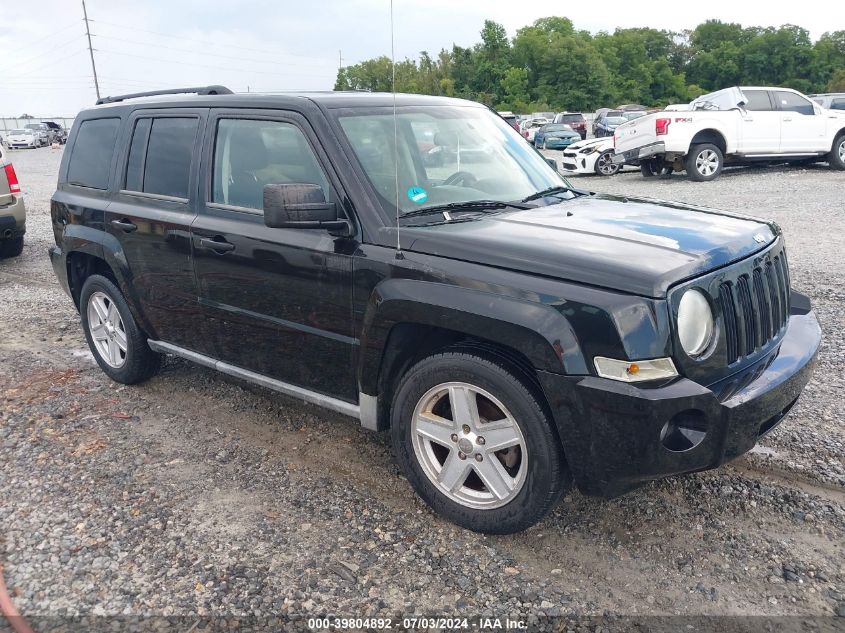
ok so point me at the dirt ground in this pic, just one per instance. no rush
(199, 495)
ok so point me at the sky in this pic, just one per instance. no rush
(282, 45)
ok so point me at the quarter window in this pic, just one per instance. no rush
(251, 153)
(792, 102)
(90, 160)
(160, 156)
(837, 104)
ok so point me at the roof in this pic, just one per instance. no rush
(329, 100)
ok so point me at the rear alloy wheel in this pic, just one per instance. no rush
(605, 165)
(118, 344)
(652, 167)
(837, 153)
(704, 162)
(475, 444)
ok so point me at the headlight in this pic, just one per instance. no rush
(588, 150)
(695, 322)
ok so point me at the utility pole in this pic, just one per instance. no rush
(91, 51)
(339, 60)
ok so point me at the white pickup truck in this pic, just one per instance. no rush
(732, 126)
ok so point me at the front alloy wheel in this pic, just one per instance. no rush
(469, 445)
(605, 165)
(474, 441)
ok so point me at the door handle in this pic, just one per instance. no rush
(221, 246)
(787, 119)
(124, 225)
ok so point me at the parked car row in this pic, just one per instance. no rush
(34, 135)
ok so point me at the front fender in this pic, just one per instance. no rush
(539, 332)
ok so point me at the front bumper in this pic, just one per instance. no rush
(613, 432)
(576, 163)
(639, 153)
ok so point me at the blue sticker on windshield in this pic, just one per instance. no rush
(417, 194)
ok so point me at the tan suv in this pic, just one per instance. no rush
(12, 212)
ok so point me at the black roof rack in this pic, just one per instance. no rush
(200, 90)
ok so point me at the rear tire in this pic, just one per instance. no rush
(119, 346)
(704, 162)
(527, 478)
(836, 158)
(11, 247)
(652, 167)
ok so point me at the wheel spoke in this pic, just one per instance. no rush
(435, 428)
(454, 472)
(114, 315)
(499, 435)
(100, 308)
(114, 353)
(464, 406)
(496, 479)
(98, 332)
(120, 339)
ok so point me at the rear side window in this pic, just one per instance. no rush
(792, 102)
(90, 159)
(160, 156)
(837, 104)
(758, 100)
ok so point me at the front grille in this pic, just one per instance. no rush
(755, 307)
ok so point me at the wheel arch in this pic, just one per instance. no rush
(710, 135)
(407, 320)
(89, 252)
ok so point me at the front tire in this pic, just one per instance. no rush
(476, 444)
(11, 247)
(836, 157)
(704, 162)
(119, 346)
(604, 164)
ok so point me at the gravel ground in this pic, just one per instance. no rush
(198, 495)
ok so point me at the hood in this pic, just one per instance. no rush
(605, 142)
(637, 246)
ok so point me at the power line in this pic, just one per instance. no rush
(239, 70)
(52, 50)
(50, 63)
(207, 43)
(205, 53)
(46, 37)
(91, 50)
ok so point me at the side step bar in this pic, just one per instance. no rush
(306, 395)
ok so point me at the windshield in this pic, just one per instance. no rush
(630, 116)
(615, 120)
(447, 155)
(20, 132)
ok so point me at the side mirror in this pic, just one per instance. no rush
(552, 162)
(301, 206)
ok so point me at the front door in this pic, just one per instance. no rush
(278, 301)
(760, 124)
(151, 214)
(802, 127)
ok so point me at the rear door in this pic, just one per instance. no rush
(151, 214)
(760, 127)
(278, 301)
(802, 127)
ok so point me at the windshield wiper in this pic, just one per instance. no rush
(470, 205)
(548, 192)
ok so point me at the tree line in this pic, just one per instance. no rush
(550, 65)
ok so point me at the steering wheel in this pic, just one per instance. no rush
(461, 178)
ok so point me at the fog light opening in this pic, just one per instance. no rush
(684, 431)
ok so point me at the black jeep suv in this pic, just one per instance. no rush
(513, 333)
